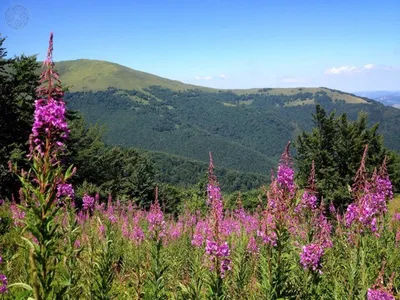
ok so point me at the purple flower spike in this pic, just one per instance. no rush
(3, 284)
(310, 258)
(88, 202)
(379, 295)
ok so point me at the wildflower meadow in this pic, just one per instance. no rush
(294, 246)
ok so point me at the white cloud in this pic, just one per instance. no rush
(221, 76)
(369, 66)
(354, 69)
(203, 77)
(342, 70)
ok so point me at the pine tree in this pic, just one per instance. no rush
(18, 83)
(336, 145)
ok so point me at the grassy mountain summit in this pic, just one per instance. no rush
(245, 129)
(97, 75)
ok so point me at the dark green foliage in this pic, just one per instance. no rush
(18, 81)
(249, 200)
(336, 145)
(123, 173)
(245, 132)
(155, 282)
(103, 271)
(180, 171)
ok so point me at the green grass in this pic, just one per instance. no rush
(394, 205)
(96, 75)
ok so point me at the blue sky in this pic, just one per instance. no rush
(350, 45)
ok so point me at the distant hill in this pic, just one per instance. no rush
(245, 129)
(389, 98)
(97, 75)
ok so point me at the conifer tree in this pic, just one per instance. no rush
(336, 145)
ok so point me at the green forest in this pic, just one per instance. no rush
(125, 142)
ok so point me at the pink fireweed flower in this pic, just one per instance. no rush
(396, 217)
(310, 257)
(175, 230)
(3, 284)
(218, 252)
(230, 226)
(322, 230)
(384, 186)
(81, 217)
(332, 209)
(65, 190)
(77, 244)
(251, 223)
(125, 227)
(360, 180)
(49, 122)
(368, 207)
(50, 129)
(378, 291)
(308, 202)
(17, 214)
(214, 193)
(110, 206)
(285, 176)
(130, 207)
(156, 221)
(100, 207)
(102, 230)
(252, 247)
(88, 202)
(383, 183)
(49, 79)
(351, 214)
(201, 231)
(379, 295)
(110, 213)
(397, 237)
(113, 219)
(137, 235)
(267, 229)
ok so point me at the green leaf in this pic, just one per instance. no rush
(21, 285)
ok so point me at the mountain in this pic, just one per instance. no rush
(246, 130)
(97, 75)
(389, 98)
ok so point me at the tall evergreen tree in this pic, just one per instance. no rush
(18, 83)
(336, 146)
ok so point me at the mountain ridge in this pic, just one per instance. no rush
(98, 75)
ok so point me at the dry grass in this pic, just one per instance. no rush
(394, 205)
